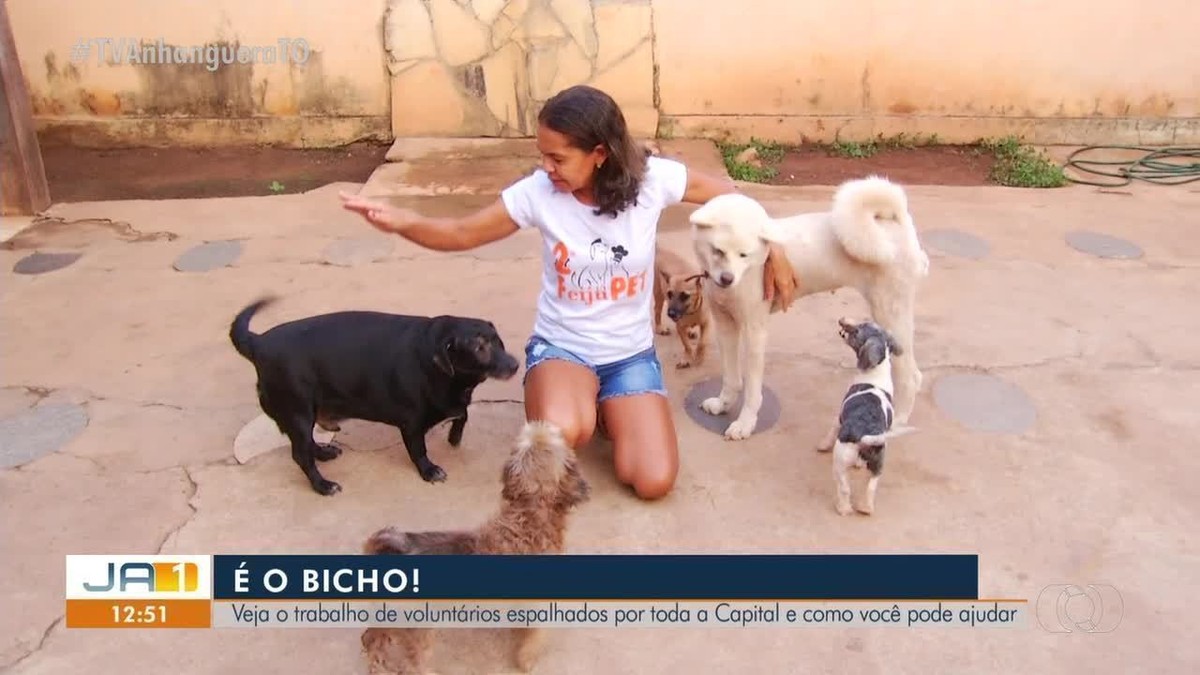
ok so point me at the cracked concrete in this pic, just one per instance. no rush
(41, 642)
(1098, 490)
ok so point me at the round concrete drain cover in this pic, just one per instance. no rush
(984, 403)
(768, 414)
(38, 432)
(40, 263)
(209, 256)
(958, 243)
(1103, 245)
(351, 252)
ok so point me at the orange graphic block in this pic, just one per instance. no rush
(117, 613)
(174, 577)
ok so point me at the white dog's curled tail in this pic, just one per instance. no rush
(880, 439)
(863, 212)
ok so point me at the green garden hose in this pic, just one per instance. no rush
(1164, 166)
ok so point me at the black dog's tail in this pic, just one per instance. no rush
(239, 330)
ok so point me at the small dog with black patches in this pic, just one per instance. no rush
(679, 285)
(864, 422)
(541, 485)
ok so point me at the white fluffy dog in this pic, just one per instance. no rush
(865, 241)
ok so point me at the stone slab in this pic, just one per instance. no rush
(11, 226)
(209, 256)
(350, 252)
(261, 435)
(985, 403)
(768, 414)
(1103, 245)
(40, 263)
(699, 154)
(41, 430)
(957, 243)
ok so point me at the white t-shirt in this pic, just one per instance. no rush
(598, 271)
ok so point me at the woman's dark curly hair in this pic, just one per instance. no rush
(590, 117)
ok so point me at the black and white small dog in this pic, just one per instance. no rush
(864, 422)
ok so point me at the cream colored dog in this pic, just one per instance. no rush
(865, 241)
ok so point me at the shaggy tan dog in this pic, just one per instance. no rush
(541, 484)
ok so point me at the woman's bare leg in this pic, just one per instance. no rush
(645, 448)
(563, 393)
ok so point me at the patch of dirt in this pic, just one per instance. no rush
(921, 165)
(61, 233)
(84, 174)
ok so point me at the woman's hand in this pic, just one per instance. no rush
(779, 279)
(383, 216)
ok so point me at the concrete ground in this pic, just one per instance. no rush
(1082, 471)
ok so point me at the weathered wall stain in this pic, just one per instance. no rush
(195, 88)
(62, 92)
(319, 94)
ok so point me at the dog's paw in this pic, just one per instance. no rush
(432, 473)
(865, 509)
(740, 429)
(327, 487)
(326, 452)
(843, 508)
(824, 447)
(713, 406)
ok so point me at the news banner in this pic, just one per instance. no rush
(483, 591)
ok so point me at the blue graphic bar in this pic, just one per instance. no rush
(596, 577)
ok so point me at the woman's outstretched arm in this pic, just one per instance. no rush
(440, 234)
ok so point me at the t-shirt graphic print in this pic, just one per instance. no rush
(597, 279)
(603, 274)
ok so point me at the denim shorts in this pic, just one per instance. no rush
(637, 374)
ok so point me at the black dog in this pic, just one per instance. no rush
(412, 372)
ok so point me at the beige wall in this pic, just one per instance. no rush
(1074, 71)
(1070, 71)
(484, 67)
(339, 93)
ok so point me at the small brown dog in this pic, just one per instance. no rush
(541, 484)
(680, 286)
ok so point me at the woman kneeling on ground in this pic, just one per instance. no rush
(596, 201)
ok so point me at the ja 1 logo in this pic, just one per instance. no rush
(159, 577)
(1067, 608)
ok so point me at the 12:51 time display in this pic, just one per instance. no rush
(139, 613)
